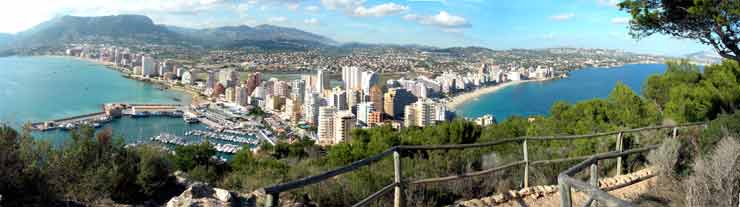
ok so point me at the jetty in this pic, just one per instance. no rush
(109, 112)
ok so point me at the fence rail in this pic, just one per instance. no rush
(564, 179)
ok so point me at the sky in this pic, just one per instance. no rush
(495, 24)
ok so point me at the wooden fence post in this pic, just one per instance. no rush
(272, 199)
(398, 199)
(595, 178)
(619, 150)
(675, 132)
(526, 163)
(565, 199)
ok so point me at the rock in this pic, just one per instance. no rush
(223, 195)
(181, 179)
(488, 201)
(498, 198)
(199, 194)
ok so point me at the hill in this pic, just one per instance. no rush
(267, 36)
(707, 57)
(67, 29)
(141, 29)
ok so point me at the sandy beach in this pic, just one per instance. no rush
(472, 95)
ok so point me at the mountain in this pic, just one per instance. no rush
(141, 29)
(66, 29)
(237, 36)
(708, 57)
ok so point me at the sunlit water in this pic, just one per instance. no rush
(34, 89)
(536, 98)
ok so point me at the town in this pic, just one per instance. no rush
(232, 91)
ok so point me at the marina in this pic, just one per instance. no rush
(231, 136)
(170, 139)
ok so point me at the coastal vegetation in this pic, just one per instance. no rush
(93, 168)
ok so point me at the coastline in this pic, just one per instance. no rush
(465, 97)
(174, 88)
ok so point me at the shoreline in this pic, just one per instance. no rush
(465, 97)
(172, 88)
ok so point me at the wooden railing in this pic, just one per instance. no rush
(399, 184)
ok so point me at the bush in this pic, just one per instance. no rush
(665, 158)
(190, 156)
(203, 173)
(716, 178)
(154, 169)
(725, 125)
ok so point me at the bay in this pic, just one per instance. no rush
(34, 89)
(536, 98)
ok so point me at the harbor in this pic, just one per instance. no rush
(170, 139)
(109, 112)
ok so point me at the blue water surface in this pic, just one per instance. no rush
(34, 89)
(536, 98)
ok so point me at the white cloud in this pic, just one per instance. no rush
(312, 8)
(442, 19)
(342, 4)
(279, 19)
(620, 20)
(311, 21)
(380, 10)
(563, 17)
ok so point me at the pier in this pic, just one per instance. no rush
(109, 112)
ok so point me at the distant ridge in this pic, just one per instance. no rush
(141, 29)
(239, 35)
(66, 29)
(704, 57)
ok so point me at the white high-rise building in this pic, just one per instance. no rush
(338, 99)
(148, 66)
(356, 79)
(351, 76)
(344, 122)
(409, 116)
(311, 108)
(187, 78)
(369, 79)
(298, 90)
(363, 112)
(326, 125)
(440, 112)
(421, 113)
(322, 81)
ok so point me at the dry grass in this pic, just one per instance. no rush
(716, 178)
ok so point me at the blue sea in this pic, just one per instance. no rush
(536, 98)
(34, 89)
